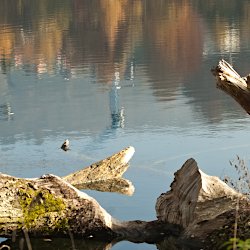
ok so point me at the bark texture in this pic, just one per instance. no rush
(49, 205)
(105, 175)
(233, 84)
(197, 201)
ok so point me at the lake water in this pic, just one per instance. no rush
(109, 74)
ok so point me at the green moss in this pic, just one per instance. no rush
(42, 210)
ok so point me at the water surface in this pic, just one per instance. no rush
(109, 74)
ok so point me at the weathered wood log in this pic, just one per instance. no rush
(202, 205)
(105, 175)
(51, 205)
(48, 205)
(198, 207)
(233, 84)
(109, 168)
(196, 197)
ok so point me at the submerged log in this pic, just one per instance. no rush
(233, 84)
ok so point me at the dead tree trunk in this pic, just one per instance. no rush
(233, 84)
(198, 207)
(199, 203)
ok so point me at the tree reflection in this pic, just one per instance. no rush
(98, 36)
(6, 112)
(175, 44)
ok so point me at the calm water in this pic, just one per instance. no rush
(109, 74)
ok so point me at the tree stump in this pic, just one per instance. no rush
(197, 202)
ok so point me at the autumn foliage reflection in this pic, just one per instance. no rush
(102, 36)
(176, 43)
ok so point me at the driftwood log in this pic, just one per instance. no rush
(195, 213)
(233, 84)
(105, 175)
(53, 205)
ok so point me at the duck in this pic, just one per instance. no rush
(65, 145)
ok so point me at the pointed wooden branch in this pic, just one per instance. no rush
(233, 84)
(105, 175)
(109, 168)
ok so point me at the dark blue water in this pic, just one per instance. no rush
(109, 74)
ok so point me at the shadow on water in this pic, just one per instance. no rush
(168, 243)
(57, 243)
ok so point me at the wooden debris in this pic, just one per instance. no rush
(105, 175)
(233, 84)
(51, 205)
(196, 201)
(198, 211)
(109, 168)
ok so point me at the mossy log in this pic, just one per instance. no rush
(52, 205)
(233, 84)
(197, 208)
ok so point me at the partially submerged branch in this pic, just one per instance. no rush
(105, 175)
(51, 205)
(233, 84)
(109, 168)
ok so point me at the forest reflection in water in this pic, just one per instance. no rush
(162, 44)
(100, 36)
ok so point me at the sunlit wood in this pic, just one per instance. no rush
(197, 209)
(233, 84)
